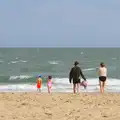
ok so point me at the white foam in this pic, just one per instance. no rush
(63, 85)
(24, 61)
(81, 53)
(114, 58)
(17, 61)
(54, 62)
(19, 77)
(89, 69)
(17, 87)
(13, 62)
(91, 81)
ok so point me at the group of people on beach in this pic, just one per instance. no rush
(75, 75)
(39, 83)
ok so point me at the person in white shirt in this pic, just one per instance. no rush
(102, 71)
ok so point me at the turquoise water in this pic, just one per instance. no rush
(22, 65)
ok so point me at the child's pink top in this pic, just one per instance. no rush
(49, 83)
(84, 83)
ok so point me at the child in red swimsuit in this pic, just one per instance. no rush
(39, 83)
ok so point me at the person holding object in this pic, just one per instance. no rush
(75, 74)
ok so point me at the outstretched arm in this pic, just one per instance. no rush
(81, 73)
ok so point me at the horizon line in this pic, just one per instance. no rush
(59, 47)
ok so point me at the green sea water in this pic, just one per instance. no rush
(24, 64)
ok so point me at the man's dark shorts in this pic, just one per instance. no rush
(76, 81)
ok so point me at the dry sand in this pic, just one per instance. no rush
(59, 106)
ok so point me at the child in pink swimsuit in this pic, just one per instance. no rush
(49, 84)
(84, 84)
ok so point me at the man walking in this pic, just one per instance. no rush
(75, 74)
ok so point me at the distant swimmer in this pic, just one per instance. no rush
(49, 84)
(102, 72)
(75, 74)
(39, 83)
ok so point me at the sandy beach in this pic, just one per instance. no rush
(59, 106)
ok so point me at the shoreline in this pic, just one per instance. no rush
(60, 92)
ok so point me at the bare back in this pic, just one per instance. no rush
(102, 71)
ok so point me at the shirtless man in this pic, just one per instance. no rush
(102, 71)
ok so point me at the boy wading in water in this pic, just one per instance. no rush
(102, 71)
(75, 74)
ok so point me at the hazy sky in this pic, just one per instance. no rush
(76, 23)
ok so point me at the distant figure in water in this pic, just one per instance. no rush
(75, 74)
(102, 71)
(49, 84)
(39, 83)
